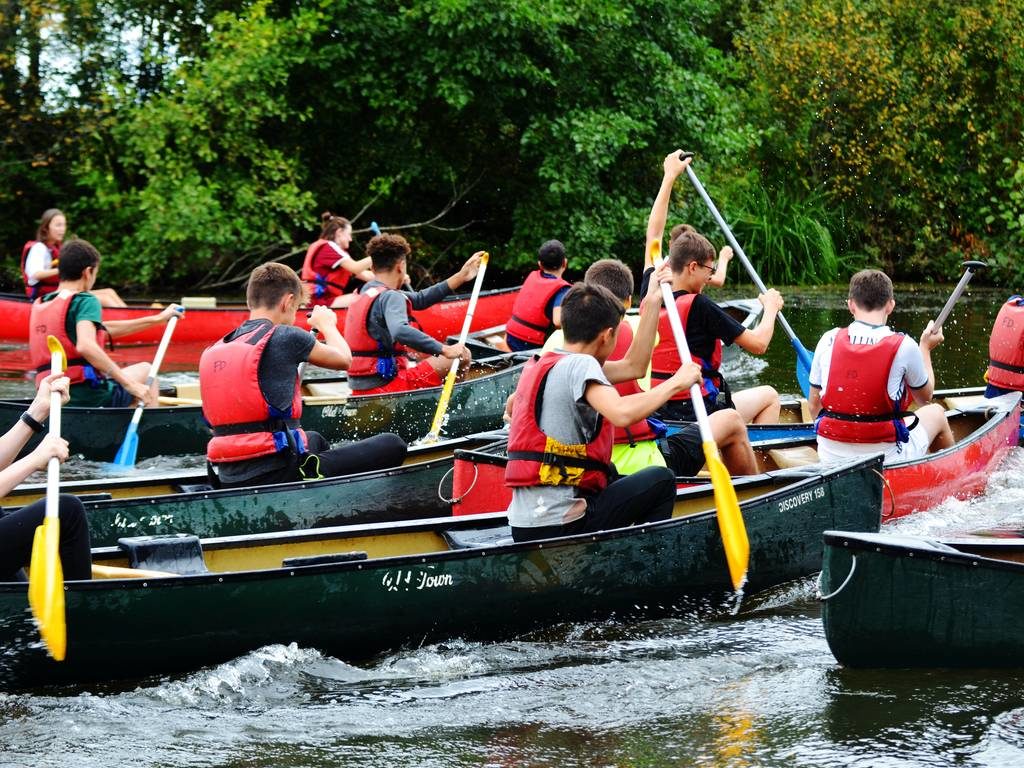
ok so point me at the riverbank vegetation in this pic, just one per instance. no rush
(190, 141)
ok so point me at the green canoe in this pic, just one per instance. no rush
(358, 590)
(899, 601)
(157, 506)
(476, 406)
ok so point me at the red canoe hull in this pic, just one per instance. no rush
(206, 325)
(959, 472)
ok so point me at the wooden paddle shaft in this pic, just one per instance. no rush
(970, 267)
(735, 245)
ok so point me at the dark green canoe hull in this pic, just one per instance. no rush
(410, 492)
(909, 603)
(133, 628)
(96, 433)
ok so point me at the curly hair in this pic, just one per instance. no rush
(385, 251)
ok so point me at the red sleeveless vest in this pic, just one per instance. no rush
(327, 285)
(856, 407)
(369, 356)
(641, 430)
(245, 425)
(1006, 347)
(536, 459)
(528, 321)
(49, 284)
(665, 360)
(49, 318)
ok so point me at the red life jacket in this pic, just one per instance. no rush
(369, 356)
(536, 459)
(326, 285)
(49, 318)
(856, 407)
(1006, 347)
(47, 285)
(641, 430)
(245, 425)
(665, 360)
(529, 321)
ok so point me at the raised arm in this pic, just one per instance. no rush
(673, 166)
(623, 411)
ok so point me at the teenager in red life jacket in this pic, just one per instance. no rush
(252, 393)
(328, 267)
(73, 314)
(379, 326)
(18, 527)
(536, 311)
(707, 326)
(40, 258)
(563, 421)
(1006, 350)
(864, 376)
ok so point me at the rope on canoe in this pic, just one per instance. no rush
(457, 499)
(892, 494)
(824, 598)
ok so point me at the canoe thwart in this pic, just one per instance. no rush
(469, 538)
(337, 557)
(199, 302)
(116, 572)
(179, 553)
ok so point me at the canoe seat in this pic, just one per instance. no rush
(178, 553)
(328, 388)
(963, 403)
(193, 487)
(798, 456)
(471, 538)
(98, 496)
(337, 557)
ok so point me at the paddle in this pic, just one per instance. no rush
(969, 268)
(374, 228)
(449, 381)
(45, 575)
(803, 356)
(130, 447)
(730, 520)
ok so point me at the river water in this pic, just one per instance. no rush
(756, 689)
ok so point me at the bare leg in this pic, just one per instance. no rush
(758, 405)
(140, 372)
(108, 297)
(730, 433)
(936, 426)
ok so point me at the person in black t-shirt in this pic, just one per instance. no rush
(707, 326)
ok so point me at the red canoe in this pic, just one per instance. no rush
(985, 431)
(206, 325)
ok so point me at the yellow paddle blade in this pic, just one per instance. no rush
(442, 405)
(54, 345)
(730, 520)
(46, 588)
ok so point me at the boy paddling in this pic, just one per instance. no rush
(863, 378)
(75, 317)
(536, 311)
(561, 434)
(251, 392)
(379, 327)
(707, 326)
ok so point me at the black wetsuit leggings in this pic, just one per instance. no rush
(643, 497)
(18, 528)
(377, 452)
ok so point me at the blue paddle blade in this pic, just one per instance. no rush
(129, 448)
(803, 366)
(374, 228)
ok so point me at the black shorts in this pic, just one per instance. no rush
(682, 410)
(683, 451)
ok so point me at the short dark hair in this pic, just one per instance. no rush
(587, 310)
(551, 255)
(613, 275)
(385, 251)
(271, 282)
(870, 289)
(677, 230)
(689, 246)
(75, 257)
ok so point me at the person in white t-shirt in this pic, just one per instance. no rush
(864, 377)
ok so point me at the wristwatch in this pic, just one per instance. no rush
(34, 425)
